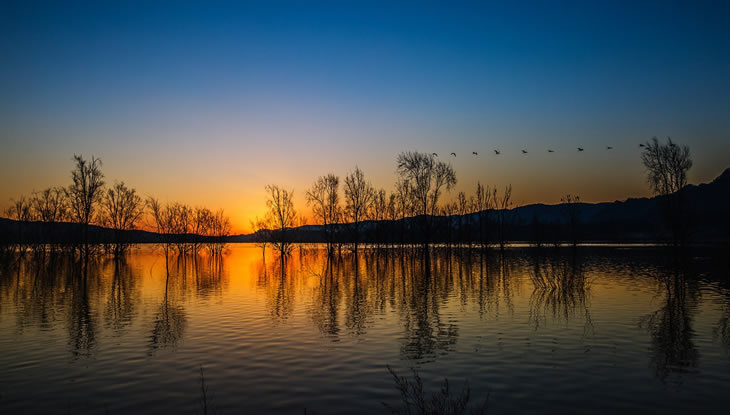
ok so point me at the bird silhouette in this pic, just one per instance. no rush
(580, 149)
(435, 155)
(474, 153)
(550, 151)
(453, 154)
(609, 148)
(497, 152)
(641, 145)
(524, 151)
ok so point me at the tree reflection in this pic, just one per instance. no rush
(672, 348)
(561, 289)
(120, 305)
(170, 319)
(279, 288)
(81, 325)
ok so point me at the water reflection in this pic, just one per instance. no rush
(170, 319)
(81, 323)
(123, 297)
(672, 349)
(431, 304)
(561, 290)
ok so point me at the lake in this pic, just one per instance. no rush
(601, 329)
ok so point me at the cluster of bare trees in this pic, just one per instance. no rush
(411, 214)
(61, 218)
(189, 230)
(666, 167)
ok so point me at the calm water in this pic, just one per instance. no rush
(606, 330)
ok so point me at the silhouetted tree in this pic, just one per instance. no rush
(463, 205)
(503, 214)
(482, 205)
(261, 229)
(50, 207)
(667, 166)
(162, 217)
(427, 177)
(324, 197)
(404, 203)
(203, 221)
(570, 206)
(281, 210)
(121, 209)
(359, 196)
(217, 230)
(20, 210)
(85, 193)
(378, 213)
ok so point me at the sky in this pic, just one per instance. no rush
(206, 103)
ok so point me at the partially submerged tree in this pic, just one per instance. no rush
(482, 206)
(504, 216)
(162, 218)
(426, 178)
(324, 197)
(84, 194)
(121, 209)
(261, 230)
(359, 196)
(281, 210)
(20, 210)
(667, 166)
(570, 207)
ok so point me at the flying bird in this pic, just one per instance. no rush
(453, 154)
(497, 152)
(641, 145)
(550, 151)
(435, 155)
(609, 148)
(474, 153)
(580, 148)
(524, 151)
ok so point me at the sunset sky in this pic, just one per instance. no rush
(208, 104)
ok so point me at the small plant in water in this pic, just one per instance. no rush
(415, 401)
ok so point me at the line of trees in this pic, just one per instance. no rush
(411, 214)
(64, 218)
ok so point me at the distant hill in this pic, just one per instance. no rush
(631, 220)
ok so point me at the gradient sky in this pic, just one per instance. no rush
(208, 104)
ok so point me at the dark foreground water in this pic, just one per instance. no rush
(608, 330)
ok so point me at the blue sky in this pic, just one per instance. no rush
(241, 95)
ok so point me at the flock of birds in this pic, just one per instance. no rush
(498, 152)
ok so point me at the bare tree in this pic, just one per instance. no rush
(283, 215)
(667, 166)
(261, 229)
(503, 215)
(391, 215)
(427, 178)
(378, 213)
(404, 203)
(218, 229)
(162, 216)
(49, 207)
(121, 209)
(324, 197)
(20, 210)
(85, 193)
(482, 205)
(570, 206)
(359, 196)
(463, 205)
(202, 230)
